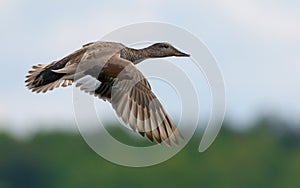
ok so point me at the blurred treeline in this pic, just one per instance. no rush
(268, 155)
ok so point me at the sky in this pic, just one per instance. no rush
(255, 43)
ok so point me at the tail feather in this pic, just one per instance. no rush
(42, 78)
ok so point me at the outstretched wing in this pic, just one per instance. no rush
(130, 94)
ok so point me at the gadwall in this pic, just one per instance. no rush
(107, 70)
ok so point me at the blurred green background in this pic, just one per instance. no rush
(264, 156)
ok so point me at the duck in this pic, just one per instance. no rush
(108, 71)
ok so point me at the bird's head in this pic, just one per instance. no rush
(163, 49)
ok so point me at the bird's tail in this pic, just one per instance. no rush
(43, 78)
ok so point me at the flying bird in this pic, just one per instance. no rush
(107, 70)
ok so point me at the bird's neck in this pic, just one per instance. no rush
(134, 55)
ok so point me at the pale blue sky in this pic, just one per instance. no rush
(256, 44)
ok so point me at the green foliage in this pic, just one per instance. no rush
(262, 157)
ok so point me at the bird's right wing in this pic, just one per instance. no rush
(130, 94)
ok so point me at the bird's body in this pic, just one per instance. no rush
(107, 70)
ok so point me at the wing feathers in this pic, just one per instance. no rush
(119, 82)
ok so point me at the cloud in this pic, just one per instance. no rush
(270, 20)
(92, 25)
(4, 3)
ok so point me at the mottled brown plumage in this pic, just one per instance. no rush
(107, 70)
